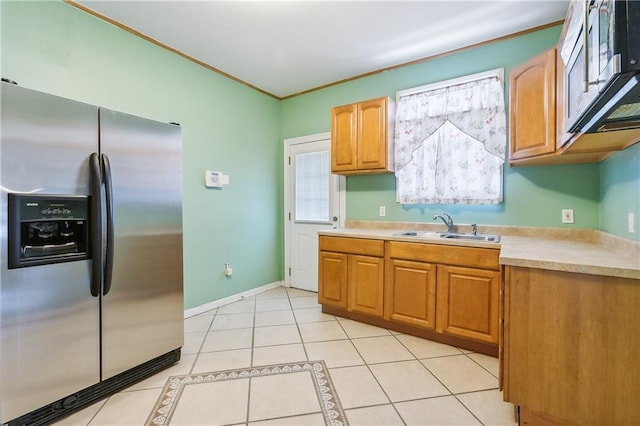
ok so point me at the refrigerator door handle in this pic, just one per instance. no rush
(96, 223)
(108, 261)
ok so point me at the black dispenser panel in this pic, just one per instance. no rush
(46, 228)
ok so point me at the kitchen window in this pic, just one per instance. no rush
(450, 141)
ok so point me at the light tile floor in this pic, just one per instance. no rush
(381, 377)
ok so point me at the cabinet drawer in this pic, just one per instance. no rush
(444, 254)
(362, 246)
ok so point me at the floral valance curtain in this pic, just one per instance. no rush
(450, 144)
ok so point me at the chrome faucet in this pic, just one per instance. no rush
(447, 221)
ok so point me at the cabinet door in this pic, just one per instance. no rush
(410, 295)
(344, 136)
(366, 285)
(532, 107)
(572, 344)
(468, 303)
(332, 279)
(372, 134)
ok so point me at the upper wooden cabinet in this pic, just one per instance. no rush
(344, 135)
(537, 131)
(532, 111)
(362, 137)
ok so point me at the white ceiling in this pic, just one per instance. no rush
(288, 47)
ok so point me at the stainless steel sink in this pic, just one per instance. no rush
(420, 234)
(490, 238)
(472, 237)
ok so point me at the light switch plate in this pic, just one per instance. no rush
(567, 215)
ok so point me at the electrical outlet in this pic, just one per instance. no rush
(567, 215)
(383, 211)
(631, 223)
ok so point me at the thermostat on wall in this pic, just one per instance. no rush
(213, 179)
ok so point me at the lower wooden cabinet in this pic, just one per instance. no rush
(365, 285)
(468, 303)
(411, 293)
(571, 346)
(332, 279)
(351, 275)
(444, 293)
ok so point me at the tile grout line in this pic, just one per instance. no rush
(451, 393)
(291, 310)
(216, 313)
(468, 409)
(425, 367)
(482, 366)
(104, 402)
(372, 375)
(446, 387)
(449, 390)
(351, 340)
(415, 358)
(253, 341)
(295, 319)
(206, 333)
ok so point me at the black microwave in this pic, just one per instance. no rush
(601, 52)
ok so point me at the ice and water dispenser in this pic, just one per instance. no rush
(47, 229)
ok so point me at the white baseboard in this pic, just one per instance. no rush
(230, 299)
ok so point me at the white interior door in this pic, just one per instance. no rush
(313, 202)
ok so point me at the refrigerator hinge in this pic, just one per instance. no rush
(289, 160)
(289, 271)
(289, 215)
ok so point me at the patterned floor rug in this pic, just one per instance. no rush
(327, 398)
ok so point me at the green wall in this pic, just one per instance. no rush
(56, 48)
(620, 192)
(532, 195)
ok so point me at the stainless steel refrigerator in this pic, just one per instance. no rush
(91, 295)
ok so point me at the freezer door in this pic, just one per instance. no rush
(49, 322)
(142, 310)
